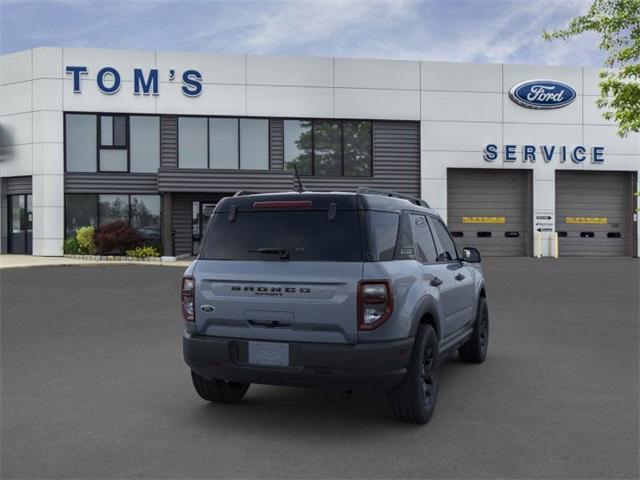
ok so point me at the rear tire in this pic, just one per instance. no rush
(475, 349)
(414, 400)
(219, 391)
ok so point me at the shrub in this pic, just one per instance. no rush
(143, 252)
(85, 241)
(70, 245)
(116, 238)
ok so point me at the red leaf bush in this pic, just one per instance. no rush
(116, 238)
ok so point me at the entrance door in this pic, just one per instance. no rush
(201, 212)
(20, 221)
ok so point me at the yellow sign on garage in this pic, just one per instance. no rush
(499, 220)
(587, 220)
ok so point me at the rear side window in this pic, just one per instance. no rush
(446, 247)
(304, 235)
(383, 233)
(423, 239)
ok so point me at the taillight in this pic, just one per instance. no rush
(186, 298)
(375, 303)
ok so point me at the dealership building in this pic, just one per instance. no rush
(517, 159)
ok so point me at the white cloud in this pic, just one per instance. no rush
(454, 30)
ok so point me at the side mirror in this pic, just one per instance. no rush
(471, 255)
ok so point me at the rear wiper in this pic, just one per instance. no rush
(283, 252)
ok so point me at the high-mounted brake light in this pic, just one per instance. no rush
(284, 204)
(186, 298)
(375, 303)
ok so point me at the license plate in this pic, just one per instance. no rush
(269, 353)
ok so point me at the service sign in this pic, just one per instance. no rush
(544, 220)
(587, 220)
(485, 220)
(542, 94)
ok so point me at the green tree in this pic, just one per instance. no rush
(618, 23)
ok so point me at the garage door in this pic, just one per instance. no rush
(489, 210)
(594, 213)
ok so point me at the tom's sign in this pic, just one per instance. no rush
(109, 81)
(542, 94)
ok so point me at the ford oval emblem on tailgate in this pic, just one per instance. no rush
(542, 94)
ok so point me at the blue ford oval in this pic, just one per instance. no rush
(542, 94)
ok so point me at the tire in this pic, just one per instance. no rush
(474, 350)
(414, 400)
(219, 391)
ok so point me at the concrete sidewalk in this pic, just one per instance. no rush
(25, 261)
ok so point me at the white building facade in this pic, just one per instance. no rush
(156, 138)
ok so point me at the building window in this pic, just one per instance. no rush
(80, 211)
(142, 212)
(80, 142)
(357, 148)
(145, 217)
(145, 143)
(112, 143)
(223, 143)
(329, 147)
(192, 142)
(254, 144)
(112, 208)
(297, 146)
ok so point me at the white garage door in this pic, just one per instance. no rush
(490, 210)
(594, 214)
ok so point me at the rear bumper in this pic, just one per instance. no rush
(372, 367)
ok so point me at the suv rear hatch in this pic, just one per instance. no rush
(282, 267)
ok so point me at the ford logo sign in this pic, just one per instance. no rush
(542, 94)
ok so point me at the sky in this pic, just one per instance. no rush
(486, 31)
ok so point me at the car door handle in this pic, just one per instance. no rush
(436, 282)
(459, 277)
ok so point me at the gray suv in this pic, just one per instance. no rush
(353, 291)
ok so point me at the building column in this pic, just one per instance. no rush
(544, 205)
(636, 213)
(4, 218)
(167, 224)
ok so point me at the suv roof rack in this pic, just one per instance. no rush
(388, 193)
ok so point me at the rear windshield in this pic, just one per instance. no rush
(284, 236)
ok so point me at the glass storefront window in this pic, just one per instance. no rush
(297, 145)
(357, 148)
(112, 208)
(254, 144)
(81, 210)
(223, 143)
(192, 142)
(80, 142)
(144, 143)
(145, 217)
(113, 160)
(327, 142)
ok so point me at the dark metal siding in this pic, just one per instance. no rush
(276, 144)
(18, 185)
(595, 194)
(111, 183)
(168, 141)
(490, 193)
(181, 219)
(396, 166)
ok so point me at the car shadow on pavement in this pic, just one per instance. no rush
(291, 409)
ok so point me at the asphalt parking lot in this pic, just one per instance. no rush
(94, 386)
